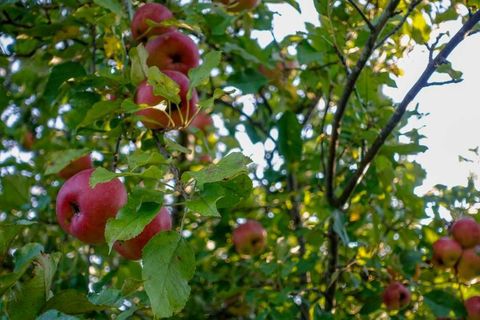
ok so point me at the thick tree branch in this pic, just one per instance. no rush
(349, 88)
(399, 112)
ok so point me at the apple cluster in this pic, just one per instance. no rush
(83, 211)
(174, 53)
(461, 250)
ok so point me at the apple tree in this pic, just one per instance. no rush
(126, 192)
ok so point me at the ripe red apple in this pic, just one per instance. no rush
(396, 296)
(240, 5)
(76, 166)
(202, 121)
(469, 265)
(150, 11)
(83, 211)
(446, 252)
(205, 159)
(28, 139)
(249, 238)
(172, 51)
(177, 116)
(132, 249)
(466, 232)
(473, 308)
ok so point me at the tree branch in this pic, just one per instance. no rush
(369, 24)
(399, 112)
(349, 88)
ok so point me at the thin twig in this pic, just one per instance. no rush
(442, 83)
(367, 21)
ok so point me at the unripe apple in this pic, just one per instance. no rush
(250, 238)
(446, 252)
(132, 249)
(76, 166)
(177, 116)
(202, 121)
(172, 51)
(150, 11)
(466, 232)
(473, 308)
(83, 211)
(240, 5)
(396, 296)
(28, 139)
(468, 266)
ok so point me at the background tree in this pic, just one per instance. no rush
(336, 199)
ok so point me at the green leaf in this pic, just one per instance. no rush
(139, 68)
(55, 315)
(234, 191)
(339, 226)
(307, 54)
(111, 5)
(404, 149)
(289, 137)
(228, 168)
(173, 146)
(141, 158)
(60, 159)
(168, 265)
(201, 73)
(25, 255)
(102, 175)
(15, 191)
(162, 85)
(247, 81)
(139, 211)
(448, 69)
(409, 260)
(99, 111)
(8, 231)
(72, 302)
(107, 297)
(59, 74)
(442, 302)
(205, 202)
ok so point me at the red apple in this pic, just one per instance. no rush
(173, 51)
(240, 5)
(150, 11)
(76, 166)
(202, 121)
(28, 139)
(396, 296)
(446, 252)
(83, 211)
(177, 116)
(473, 308)
(132, 249)
(205, 159)
(249, 238)
(469, 265)
(466, 232)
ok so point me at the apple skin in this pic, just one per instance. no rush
(202, 121)
(132, 249)
(172, 51)
(396, 296)
(446, 252)
(83, 212)
(76, 166)
(473, 308)
(249, 238)
(240, 5)
(28, 140)
(466, 232)
(150, 11)
(468, 266)
(158, 118)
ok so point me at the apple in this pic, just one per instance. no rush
(76, 166)
(473, 308)
(150, 11)
(202, 121)
(172, 51)
(249, 238)
(466, 232)
(205, 159)
(469, 265)
(132, 249)
(396, 296)
(177, 116)
(446, 252)
(83, 211)
(28, 139)
(240, 5)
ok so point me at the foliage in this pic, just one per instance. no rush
(69, 71)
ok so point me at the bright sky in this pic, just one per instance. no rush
(452, 125)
